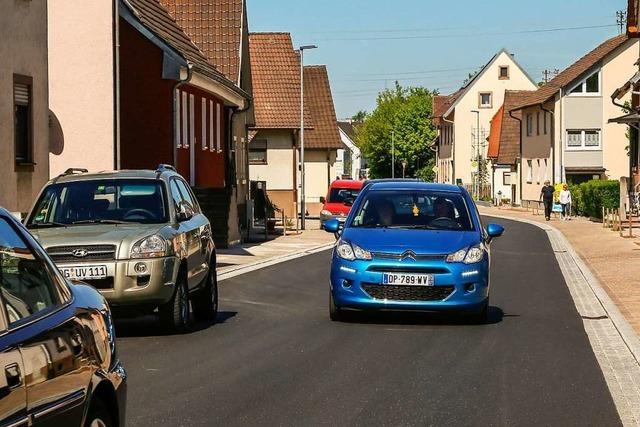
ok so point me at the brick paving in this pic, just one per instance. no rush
(615, 261)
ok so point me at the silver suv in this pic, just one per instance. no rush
(139, 237)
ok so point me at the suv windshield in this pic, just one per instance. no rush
(109, 201)
(414, 209)
(340, 195)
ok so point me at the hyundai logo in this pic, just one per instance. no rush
(80, 253)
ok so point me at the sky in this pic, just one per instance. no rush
(369, 44)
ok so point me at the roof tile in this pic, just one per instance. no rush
(317, 95)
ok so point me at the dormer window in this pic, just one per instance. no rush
(589, 86)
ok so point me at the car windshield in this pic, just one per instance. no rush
(340, 195)
(100, 202)
(413, 209)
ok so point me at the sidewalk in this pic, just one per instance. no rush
(615, 261)
(252, 254)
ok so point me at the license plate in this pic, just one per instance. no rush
(84, 272)
(407, 279)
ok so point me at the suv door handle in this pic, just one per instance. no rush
(13, 375)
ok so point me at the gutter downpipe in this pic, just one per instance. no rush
(453, 149)
(520, 159)
(630, 184)
(116, 83)
(176, 116)
(232, 115)
(561, 138)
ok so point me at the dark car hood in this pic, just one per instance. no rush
(397, 241)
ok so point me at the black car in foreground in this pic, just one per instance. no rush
(58, 362)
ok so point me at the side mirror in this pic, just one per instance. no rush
(332, 226)
(184, 213)
(323, 200)
(348, 201)
(494, 230)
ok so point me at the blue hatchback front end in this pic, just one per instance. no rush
(412, 246)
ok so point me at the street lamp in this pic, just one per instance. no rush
(303, 209)
(404, 168)
(393, 154)
(477, 153)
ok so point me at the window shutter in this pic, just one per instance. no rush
(211, 127)
(192, 120)
(185, 126)
(204, 123)
(21, 94)
(219, 130)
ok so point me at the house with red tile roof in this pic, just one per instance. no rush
(565, 132)
(274, 148)
(463, 120)
(137, 92)
(220, 29)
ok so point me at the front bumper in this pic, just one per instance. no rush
(349, 277)
(127, 285)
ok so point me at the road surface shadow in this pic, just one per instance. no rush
(496, 315)
(148, 326)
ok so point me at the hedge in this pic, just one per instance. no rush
(590, 197)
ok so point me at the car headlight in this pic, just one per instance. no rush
(150, 247)
(361, 253)
(350, 252)
(470, 256)
(325, 213)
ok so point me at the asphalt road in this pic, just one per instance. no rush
(274, 358)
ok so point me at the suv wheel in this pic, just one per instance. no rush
(205, 302)
(98, 415)
(175, 313)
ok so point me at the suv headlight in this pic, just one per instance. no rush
(471, 256)
(150, 247)
(350, 252)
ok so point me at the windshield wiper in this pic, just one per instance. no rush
(49, 224)
(99, 221)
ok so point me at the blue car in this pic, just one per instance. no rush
(411, 245)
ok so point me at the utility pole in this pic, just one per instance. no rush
(549, 74)
(477, 142)
(621, 20)
(303, 208)
(393, 154)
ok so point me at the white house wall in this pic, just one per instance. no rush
(81, 83)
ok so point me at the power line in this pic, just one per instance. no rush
(448, 36)
(547, 75)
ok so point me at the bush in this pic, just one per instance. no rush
(590, 197)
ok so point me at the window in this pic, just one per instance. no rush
(529, 171)
(258, 152)
(529, 124)
(506, 178)
(544, 173)
(538, 123)
(545, 122)
(175, 194)
(485, 99)
(589, 86)
(539, 174)
(27, 282)
(211, 128)
(219, 124)
(204, 124)
(187, 195)
(22, 114)
(583, 139)
(192, 120)
(185, 124)
(503, 74)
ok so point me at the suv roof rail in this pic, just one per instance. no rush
(72, 171)
(163, 167)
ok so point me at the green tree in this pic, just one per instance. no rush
(359, 117)
(403, 113)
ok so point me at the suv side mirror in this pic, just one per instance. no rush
(348, 201)
(323, 200)
(184, 212)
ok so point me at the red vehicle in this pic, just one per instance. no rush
(340, 197)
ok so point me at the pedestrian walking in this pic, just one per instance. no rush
(565, 202)
(546, 196)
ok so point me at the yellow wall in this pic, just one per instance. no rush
(279, 170)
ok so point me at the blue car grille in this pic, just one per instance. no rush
(407, 254)
(408, 293)
(407, 269)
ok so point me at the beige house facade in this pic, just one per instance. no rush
(24, 103)
(566, 134)
(463, 118)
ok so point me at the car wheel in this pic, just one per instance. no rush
(335, 313)
(205, 302)
(175, 313)
(482, 316)
(98, 415)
